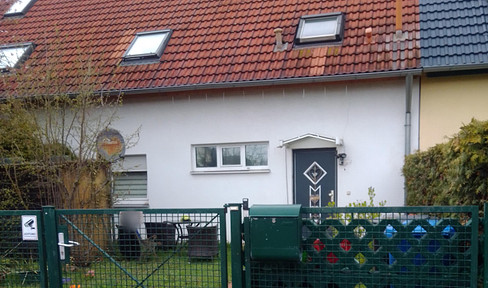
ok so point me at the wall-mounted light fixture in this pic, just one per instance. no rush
(341, 158)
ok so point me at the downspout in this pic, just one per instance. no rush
(408, 122)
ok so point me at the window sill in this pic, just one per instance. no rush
(131, 203)
(244, 171)
(139, 61)
(319, 44)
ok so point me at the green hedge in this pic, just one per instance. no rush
(452, 173)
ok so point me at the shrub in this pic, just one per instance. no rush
(453, 173)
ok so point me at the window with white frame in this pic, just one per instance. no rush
(19, 7)
(11, 56)
(130, 181)
(147, 47)
(230, 157)
(318, 29)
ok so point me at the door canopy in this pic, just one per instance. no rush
(311, 140)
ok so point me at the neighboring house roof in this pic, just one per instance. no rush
(453, 34)
(213, 42)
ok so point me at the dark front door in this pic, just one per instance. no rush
(314, 177)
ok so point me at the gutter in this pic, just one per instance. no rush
(270, 82)
(453, 68)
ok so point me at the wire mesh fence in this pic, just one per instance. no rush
(421, 247)
(378, 247)
(147, 248)
(20, 264)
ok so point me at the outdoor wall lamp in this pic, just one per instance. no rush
(341, 158)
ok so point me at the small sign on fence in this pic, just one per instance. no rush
(29, 228)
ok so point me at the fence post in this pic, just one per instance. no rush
(485, 246)
(236, 245)
(41, 250)
(52, 249)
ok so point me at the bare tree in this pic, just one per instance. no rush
(51, 116)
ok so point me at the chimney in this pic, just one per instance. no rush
(368, 33)
(399, 14)
(399, 34)
(279, 45)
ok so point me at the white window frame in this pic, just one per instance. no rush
(22, 53)
(19, 7)
(334, 37)
(229, 168)
(136, 163)
(149, 57)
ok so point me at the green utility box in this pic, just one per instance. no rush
(275, 232)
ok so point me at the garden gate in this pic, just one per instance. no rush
(117, 248)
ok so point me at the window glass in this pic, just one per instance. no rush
(131, 184)
(206, 156)
(319, 27)
(231, 156)
(18, 7)
(147, 44)
(10, 56)
(256, 155)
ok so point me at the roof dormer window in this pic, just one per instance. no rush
(147, 47)
(11, 56)
(20, 7)
(318, 29)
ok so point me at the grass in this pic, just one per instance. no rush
(170, 268)
(18, 272)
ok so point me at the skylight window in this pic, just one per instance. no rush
(323, 28)
(147, 46)
(11, 56)
(20, 7)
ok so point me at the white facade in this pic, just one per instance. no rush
(369, 117)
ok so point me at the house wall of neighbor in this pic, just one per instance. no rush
(447, 103)
(368, 116)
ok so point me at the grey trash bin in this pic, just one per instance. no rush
(202, 242)
(164, 233)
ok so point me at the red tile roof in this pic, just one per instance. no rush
(213, 41)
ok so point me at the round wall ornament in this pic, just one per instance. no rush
(110, 144)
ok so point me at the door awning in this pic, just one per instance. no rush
(334, 141)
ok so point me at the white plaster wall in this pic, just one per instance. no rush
(368, 116)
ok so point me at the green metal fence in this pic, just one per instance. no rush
(144, 248)
(417, 247)
(21, 249)
(114, 248)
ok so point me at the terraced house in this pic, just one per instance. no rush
(455, 60)
(305, 102)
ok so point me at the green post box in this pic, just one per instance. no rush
(275, 232)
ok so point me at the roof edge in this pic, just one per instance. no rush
(449, 68)
(272, 82)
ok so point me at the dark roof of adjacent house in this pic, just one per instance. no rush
(213, 42)
(453, 34)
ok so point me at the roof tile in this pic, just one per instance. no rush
(452, 31)
(215, 41)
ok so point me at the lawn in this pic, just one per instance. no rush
(164, 268)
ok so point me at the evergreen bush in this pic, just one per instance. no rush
(452, 173)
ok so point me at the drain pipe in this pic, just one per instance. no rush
(408, 123)
(408, 112)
